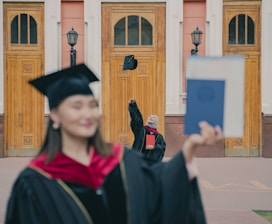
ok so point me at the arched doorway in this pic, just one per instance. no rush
(24, 60)
(242, 36)
(137, 29)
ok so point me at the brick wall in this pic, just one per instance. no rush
(267, 136)
(175, 138)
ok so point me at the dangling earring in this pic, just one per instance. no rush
(55, 126)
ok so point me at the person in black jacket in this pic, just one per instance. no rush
(143, 132)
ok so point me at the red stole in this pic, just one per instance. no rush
(67, 169)
(151, 130)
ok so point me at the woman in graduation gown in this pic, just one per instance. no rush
(77, 177)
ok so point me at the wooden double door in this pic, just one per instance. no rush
(24, 60)
(139, 30)
(242, 32)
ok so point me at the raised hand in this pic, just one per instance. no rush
(131, 100)
(209, 135)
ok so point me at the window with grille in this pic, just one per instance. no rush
(133, 31)
(23, 30)
(241, 30)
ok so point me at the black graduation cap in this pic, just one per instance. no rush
(130, 63)
(63, 83)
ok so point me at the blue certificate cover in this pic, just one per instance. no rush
(205, 102)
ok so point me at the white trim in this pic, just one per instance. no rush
(182, 91)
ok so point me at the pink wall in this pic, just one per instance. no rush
(194, 16)
(72, 16)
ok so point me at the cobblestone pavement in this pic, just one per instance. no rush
(231, 187)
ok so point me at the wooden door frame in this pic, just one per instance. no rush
(250, 51)
(107, 52)
(21, 50)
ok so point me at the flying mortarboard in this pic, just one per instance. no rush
(130, 63)
(64, 83)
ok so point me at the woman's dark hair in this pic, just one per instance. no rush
(53, 143)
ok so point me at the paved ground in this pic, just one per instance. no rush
(231, 187)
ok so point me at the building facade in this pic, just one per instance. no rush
(33, 41)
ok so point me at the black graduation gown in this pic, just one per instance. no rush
(140, 132)
(137, 191)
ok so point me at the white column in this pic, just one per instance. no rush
(266, 56)
(92, 32)
(214, 28)
(52, 38)
(52, 35)
(92, 41)
(174, 17)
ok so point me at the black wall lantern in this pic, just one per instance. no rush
(196, 39)
(72, 41)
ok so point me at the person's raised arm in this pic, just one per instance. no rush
(135, 114)
(209, 135)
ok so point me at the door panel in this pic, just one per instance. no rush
(24, 106)
(130, 83)
(145, 83)
(119, 92)
(250, 144)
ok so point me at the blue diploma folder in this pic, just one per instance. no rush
(205, 102)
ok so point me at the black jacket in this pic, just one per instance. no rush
(139, 131)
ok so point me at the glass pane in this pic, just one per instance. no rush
(133, 30)
(146, 30)
(33, 31)
(120, 33)
(241, 29)
(24, 29)
(232, 31)
(250, 31)
(14, 30)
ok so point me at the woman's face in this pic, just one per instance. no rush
(77, 116)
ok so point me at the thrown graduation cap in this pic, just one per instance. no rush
(64, 83)
(130, 63)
